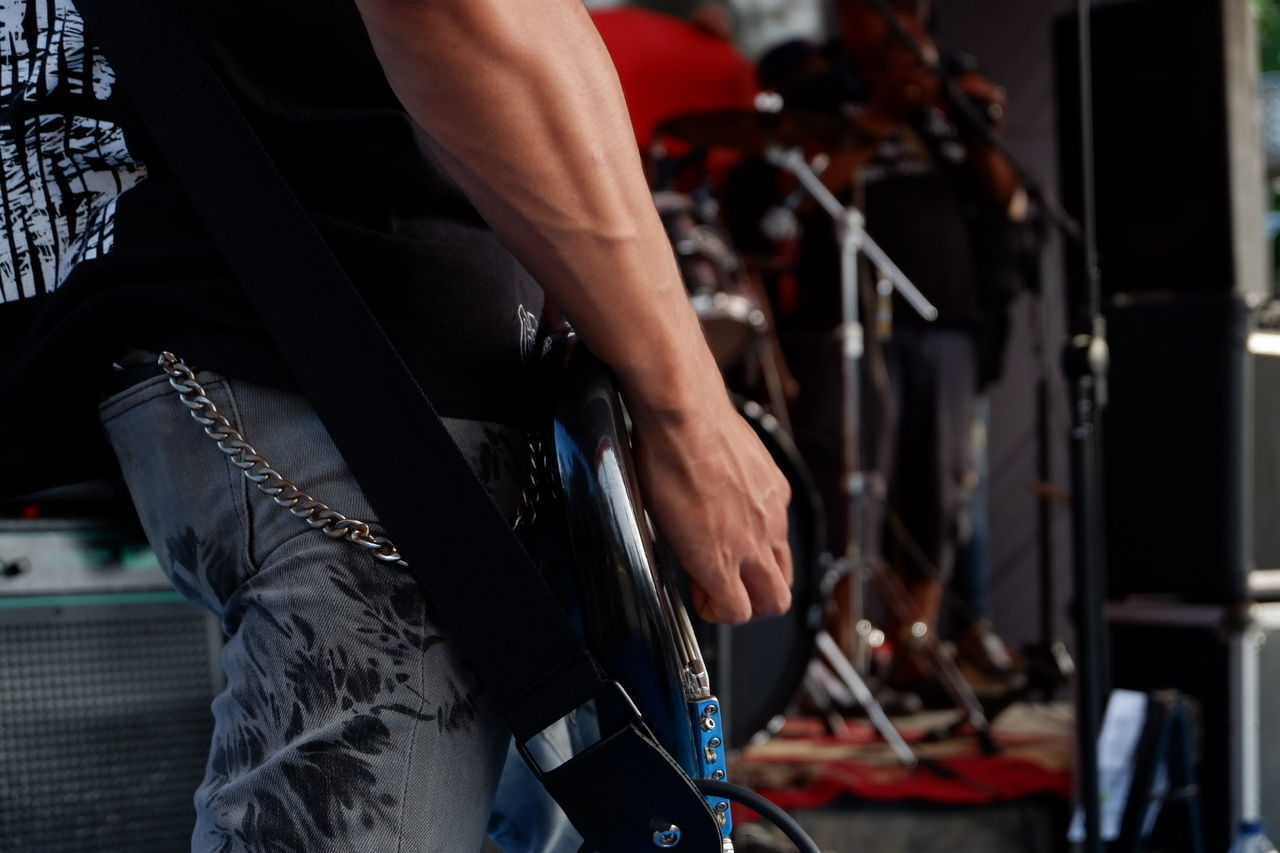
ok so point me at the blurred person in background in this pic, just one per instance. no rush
(948, 209)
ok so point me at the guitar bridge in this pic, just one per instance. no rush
(708, 723)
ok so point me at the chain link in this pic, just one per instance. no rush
(532, 489)
(258, 471)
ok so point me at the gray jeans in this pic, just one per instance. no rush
(933, 384)
(349, 722)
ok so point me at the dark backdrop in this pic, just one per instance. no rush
(1012, 38)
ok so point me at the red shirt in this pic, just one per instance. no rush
(669, 67)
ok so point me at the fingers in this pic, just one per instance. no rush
(725, 599)
(720, 502)
(781, 544)
(758, 591)
(782, 555)
(770, 592)
(759, 586)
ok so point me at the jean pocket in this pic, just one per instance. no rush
(189, 496)
(124, 400)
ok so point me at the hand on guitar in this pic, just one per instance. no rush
(719, 502)
(543, 147)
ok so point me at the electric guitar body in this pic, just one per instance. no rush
(630, 610)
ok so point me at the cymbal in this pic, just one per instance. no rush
(753, 131)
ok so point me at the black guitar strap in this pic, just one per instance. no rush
(484, 587)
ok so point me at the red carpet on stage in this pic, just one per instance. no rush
(804, 768)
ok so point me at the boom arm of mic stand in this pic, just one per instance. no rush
(792, 160)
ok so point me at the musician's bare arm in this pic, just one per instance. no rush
(998, 176)
(524, 110)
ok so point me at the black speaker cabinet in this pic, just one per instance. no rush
(1180, 191)
(105, 682)
(1180, 186)
(1176, 448)
(1192, 451)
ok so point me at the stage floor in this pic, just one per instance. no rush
(851, 795)
(855, 797)
(1029, 825)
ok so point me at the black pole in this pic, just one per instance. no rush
(1051, 649)
(1086, 362)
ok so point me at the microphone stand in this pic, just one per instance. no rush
(1086, 360)
(856, 563)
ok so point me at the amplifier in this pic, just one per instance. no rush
(106, 677)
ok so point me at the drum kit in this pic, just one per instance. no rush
(761, 667)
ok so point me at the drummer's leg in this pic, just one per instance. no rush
(937, 389)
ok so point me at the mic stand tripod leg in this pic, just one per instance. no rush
(840, 666)
(824, 701)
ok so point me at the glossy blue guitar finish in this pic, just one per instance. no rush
(632, 616)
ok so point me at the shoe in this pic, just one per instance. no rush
(907, 679)
(981, 648)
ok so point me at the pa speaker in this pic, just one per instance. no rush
(1176, 449)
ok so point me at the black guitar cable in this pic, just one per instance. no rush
(770, 812)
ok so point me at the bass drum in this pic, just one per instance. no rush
(756, 669)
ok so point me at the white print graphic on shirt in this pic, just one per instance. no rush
(528, 332)
(64, 164)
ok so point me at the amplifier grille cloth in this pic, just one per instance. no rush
(104, 726)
